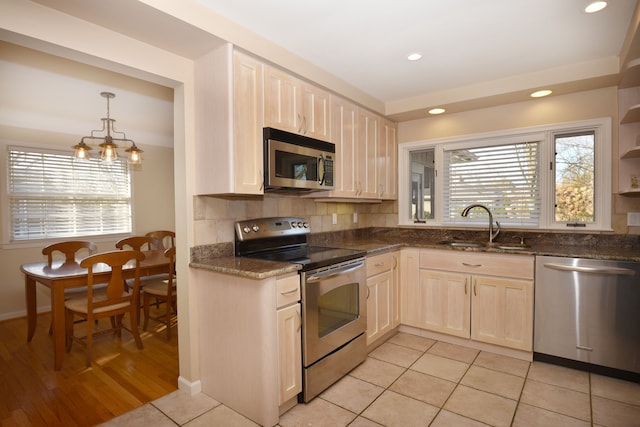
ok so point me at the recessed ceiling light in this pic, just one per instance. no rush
(541, 93)
(414, 56)
(437, 111)
(595, 6)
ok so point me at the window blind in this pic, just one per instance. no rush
(53, 196)
(502, 177)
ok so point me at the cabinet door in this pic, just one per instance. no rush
(282, 101)
(247, 126)
(289, 352)
(395, 306)
(409, 287)
(315, 113)
(344, 133)
(379, 305)
(502, 311)
(388, 161)
(367, 173)
(446, 303)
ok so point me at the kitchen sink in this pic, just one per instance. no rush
(467, 244)
(463, 244)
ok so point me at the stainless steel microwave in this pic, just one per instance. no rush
(295, 162)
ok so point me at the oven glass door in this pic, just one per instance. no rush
(334, 309)
(295, 166)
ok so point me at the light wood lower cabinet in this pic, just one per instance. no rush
(445, 301)
(250, 348)
(481, 296)
(382, 292)
(289, 352)
(503, 312)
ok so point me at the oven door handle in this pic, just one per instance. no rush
(332, 273)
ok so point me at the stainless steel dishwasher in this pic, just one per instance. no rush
(587, 314)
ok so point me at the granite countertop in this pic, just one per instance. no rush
(220, 257)
(246, 267)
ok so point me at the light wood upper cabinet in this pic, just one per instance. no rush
(316, 112)
(388, 161)
(367, 165)
(295, 106)
(229, 112)
(344, 134)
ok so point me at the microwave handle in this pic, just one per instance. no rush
(324, 173)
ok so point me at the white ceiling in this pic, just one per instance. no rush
(476, 53)
(464, 42)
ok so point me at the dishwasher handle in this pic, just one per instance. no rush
(593, 270)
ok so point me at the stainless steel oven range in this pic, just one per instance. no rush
(333, 289)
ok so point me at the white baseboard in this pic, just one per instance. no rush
(504, 351)
(23, 313)
(190, 387)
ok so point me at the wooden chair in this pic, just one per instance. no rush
(166, 239)
(137, 243)
(70, 250)
(163, 289)
(113, 302)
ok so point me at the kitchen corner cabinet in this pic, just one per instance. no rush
(481, 296)
(382, 295)
(250, 342)
(296, 106)
(229, 122)
(629, 129)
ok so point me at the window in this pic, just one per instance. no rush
(547, 177)
(575, 178)
(52, 196)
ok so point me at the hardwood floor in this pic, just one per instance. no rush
(120, 379)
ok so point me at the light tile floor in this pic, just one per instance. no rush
(415, 381)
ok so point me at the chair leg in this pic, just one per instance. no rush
(134, 327)
(89, 340)
(68, 327)
(145, 306)
(167, 319)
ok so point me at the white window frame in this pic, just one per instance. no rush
(5, 213)
(546, 134)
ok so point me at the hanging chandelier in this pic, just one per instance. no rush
(108, 146)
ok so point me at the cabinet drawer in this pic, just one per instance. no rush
(492, 264)
(288, 290)
(380, 263)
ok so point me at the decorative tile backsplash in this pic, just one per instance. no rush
(215, 217)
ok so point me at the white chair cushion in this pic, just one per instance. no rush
(159, 287)
(80, 305)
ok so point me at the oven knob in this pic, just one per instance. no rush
(305, 224)
(246, 229)
(294, 224)
(255, 228)
(299, 224)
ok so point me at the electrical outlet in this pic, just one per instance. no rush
(633, 219)
(334, 218)
(355, 217)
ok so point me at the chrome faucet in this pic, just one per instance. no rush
(492, 235)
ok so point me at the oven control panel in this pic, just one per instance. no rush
(271, 227)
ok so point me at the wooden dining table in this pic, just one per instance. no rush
(60, 276)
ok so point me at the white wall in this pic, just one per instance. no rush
(32, 25)
(553, 109)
